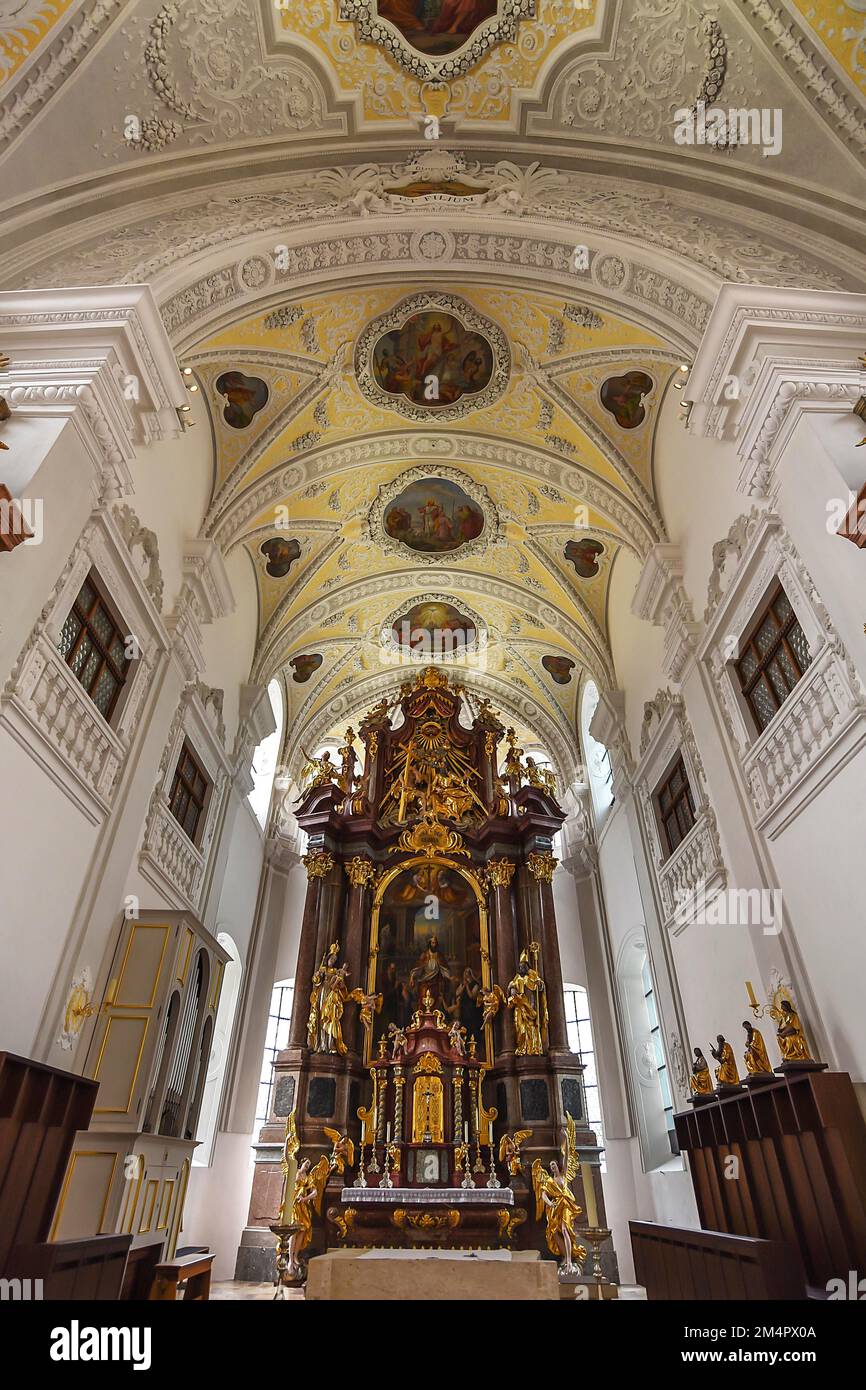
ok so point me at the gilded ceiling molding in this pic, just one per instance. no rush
(537, 464)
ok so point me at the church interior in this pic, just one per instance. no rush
(432, 672)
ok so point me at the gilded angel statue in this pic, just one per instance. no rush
(310, 1183)
(307, 1197)
(491, 999)
(318, 772)
(509, 1150)
(554, 1196)
(289, 1165)
(343, 1152)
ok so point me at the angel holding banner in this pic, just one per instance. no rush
(553, 1194)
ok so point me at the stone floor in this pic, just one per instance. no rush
(263, 1293)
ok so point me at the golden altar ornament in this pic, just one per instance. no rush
(555, 1199)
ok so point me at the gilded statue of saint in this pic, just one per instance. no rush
(317, 993)
(526, 998)
(755, 1056)
(700, 1081)
(726, 1071)
(348, 761)
(335, 994)
(789, 1034)
(553, 1196)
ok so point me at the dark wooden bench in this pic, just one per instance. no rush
(193, 1271)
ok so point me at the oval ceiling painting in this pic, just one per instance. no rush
(434, 628)
(436, 27)
(433, 515)
(432, 356)
(437, 40)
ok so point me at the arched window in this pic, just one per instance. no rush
(658, 1052)
(276, 1038)
(216, 1063)
(648, 1075)
(598, 764)
(579, 1027)
(265, 759)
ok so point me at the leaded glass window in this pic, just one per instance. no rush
(94, 647)
(773, 659)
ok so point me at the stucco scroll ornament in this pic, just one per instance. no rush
(231, 92)
(139, 539)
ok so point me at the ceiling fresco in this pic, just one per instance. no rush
(361, 219)
(367, 565)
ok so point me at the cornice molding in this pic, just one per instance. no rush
(660, 598)
(101, 358)
(767, 357)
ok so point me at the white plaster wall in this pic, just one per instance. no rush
(568, 928)
(44, 835)
(218, 1202)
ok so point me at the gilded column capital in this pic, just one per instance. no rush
(541, 865)
(500, 872)
(318, 863)
(360, 871)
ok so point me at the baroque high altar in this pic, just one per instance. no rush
(429, 1024)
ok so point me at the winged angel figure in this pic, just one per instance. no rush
(310, 1185)
(553, 1194)
(509, 1150)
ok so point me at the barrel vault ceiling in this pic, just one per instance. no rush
(266, 169)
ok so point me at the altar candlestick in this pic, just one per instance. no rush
(589, 1194)
(388, 1133)
(466, 1132)
(751, 993)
